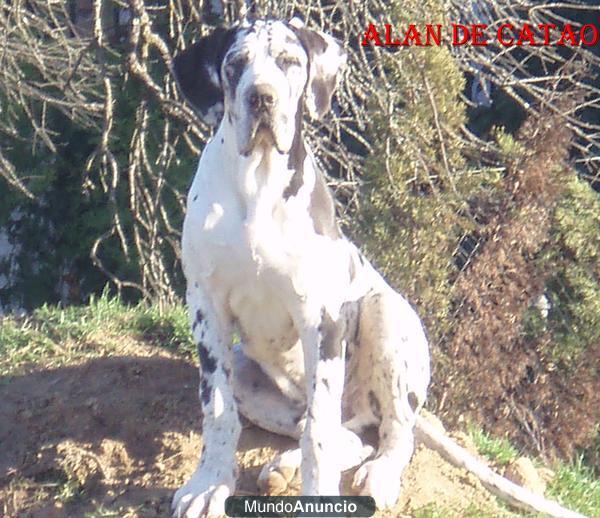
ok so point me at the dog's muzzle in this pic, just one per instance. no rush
(261, 100)
(262, 104)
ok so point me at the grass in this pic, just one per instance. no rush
(499, 451)
(55, 336)
(471, 511)
(574, 484)
(576, 487)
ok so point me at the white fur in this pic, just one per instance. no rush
(254, 263)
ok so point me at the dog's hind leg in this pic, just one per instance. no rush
(261, 401)
(394, 375)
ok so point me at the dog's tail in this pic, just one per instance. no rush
(515, 495)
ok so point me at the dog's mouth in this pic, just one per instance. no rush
(263, 134)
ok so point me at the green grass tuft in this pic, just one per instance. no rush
(575, 486)
(499, 451)
(169, 328)
(53, 335)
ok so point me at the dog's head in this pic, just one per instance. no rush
(259, 75)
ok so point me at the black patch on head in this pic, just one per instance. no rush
(374, 404)
(196, 67)
(234, 72)
(331, 334)
(205, 392)
(322, 209)
(413, 401)
(207, 362)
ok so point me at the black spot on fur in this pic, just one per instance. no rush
(374, 404)
(207, 362)
(331, 332)
(297, 155)
(198, 320)
(413, 401)
(195, 197)
(326, 383)
(205, 392)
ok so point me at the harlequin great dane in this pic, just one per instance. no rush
(326, 346)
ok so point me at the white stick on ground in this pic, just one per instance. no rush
(503, 488)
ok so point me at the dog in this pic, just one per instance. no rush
(326, 347)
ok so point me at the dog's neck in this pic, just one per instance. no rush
(266, 178)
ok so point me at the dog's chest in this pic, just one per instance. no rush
(240, 228)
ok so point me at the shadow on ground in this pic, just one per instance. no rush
(112, 433)
(116, 435)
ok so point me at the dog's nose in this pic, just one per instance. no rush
(261, 98)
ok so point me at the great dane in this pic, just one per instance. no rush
(326, 346)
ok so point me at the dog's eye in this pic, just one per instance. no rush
(285, 62)
(234, 68)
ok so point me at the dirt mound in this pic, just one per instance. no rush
(119, 434)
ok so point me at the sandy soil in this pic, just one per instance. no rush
(115, 436)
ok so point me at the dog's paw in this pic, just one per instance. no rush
(282, 474)
(380, 479)
(200, 498)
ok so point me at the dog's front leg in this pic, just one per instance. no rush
(323, 346)
(214, 479)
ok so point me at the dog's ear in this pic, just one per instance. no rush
(325, 58)
(197, 71)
